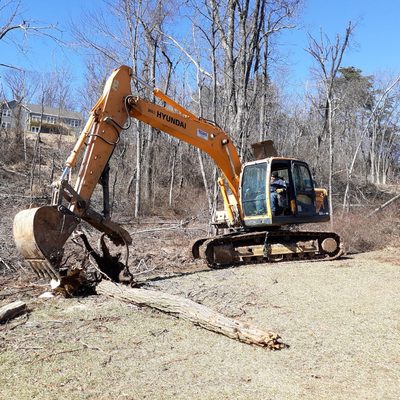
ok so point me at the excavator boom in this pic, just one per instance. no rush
(40, 233)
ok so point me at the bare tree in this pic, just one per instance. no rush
(21, 87)
(328, 56)
(128, 32)
(12, 21)
(362, 136)
(384, 132)
(245, 30)
(230, 53)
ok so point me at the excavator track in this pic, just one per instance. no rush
(267, 246)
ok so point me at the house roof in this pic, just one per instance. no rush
(57, 112)
(7, 104)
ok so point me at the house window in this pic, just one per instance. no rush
(35, 129)
(74, 123)
(6, 113)
(5, 125)
(35, 118)
(51, 119)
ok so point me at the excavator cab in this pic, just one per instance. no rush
(280, 191)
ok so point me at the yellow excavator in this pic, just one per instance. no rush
(256, 211)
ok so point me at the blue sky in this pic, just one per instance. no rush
(375, 45)
(43, 54)
(375, 42)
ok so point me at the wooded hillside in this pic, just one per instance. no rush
(221, 61)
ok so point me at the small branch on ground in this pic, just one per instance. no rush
(142, 268)
(5, 264)
(85, 346)
(11, 171)
(28, 289)
(58, 353)
(11, 328)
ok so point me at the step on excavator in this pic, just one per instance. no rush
(262, 198)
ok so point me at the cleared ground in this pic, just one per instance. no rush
(341, 320)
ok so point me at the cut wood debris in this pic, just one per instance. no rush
(12, 310)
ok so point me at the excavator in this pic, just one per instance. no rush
(257, 221)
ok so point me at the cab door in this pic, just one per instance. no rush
(304, 192)
(253, 190)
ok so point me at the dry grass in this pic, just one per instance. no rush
(340, 319)
(362, 233)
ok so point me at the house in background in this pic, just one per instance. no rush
(7, 119)
(34, 117)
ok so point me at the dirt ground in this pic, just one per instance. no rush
(340, 318)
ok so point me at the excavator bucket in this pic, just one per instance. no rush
(40, 234)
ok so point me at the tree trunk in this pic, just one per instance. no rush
(138, 168)
(171, 185)
(203, 174)
(373, 163)
(194, 312)
(149, 149)
(330, 130)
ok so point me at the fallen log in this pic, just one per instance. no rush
(189, 310)
(384, 205)
(12, 310)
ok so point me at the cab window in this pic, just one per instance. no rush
(254, 189)
(304, 189)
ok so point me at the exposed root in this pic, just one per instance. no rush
(82, 280)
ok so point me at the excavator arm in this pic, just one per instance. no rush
(209, 138)
(41, 233)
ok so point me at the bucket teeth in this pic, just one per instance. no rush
(36, 270)
(43, 269)
(51, 272)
